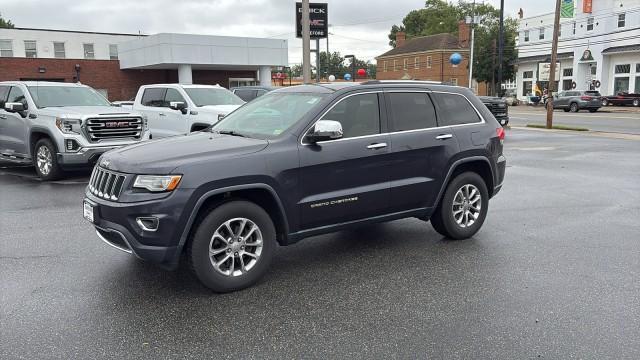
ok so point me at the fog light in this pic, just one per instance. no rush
(148, 223)
(72, 145)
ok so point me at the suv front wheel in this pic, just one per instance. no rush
(46, 161)
(463, 207)
(233, 246)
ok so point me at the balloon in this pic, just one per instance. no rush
(362, 72)
(347, 76)
(455, 59)
(332, 78)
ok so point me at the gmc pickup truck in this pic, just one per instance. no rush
(176, 109)
(57, 126)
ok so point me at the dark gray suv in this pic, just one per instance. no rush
(298, 162)
(574, 100)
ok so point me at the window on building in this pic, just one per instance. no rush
(574, 28)
(567, 84)
(621, 20)
(594, 69)
(395, 65)
(406, 64)
(568, 72)
(113, 51)
(621, 84)
(590, 24)
(623, 69)
(638, 68)
(359, 115)
(58, 50)
(88, 51)
(30, 49)
(412, 111)
(527, 74)
(559, 31)
(6, 48)
(454, 81)
(429, 62)
(541, 35)
(455, 110)
(527, 87)
(637, 91)
(384, 66)
(526, 35)
(416, 63)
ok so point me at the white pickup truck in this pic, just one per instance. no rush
(177, 109)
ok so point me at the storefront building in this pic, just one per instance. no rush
(598, 49)
(118, 64)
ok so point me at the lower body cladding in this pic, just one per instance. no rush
(148, 230)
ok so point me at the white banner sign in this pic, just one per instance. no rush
(544, 70)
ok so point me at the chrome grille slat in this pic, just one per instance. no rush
(106, 184)
(130, 128)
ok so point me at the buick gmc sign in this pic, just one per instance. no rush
(318, 20)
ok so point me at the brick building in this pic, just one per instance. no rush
(118, 64)
(427, 58)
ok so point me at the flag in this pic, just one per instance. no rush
(566, 10)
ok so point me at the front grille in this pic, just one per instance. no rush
(495, 108)
(106, 184)
(114, 128)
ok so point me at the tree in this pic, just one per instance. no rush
(5, 24)
(484, 68)
(336, 66)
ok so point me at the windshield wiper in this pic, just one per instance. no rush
(230, 132)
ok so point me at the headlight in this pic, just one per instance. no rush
(157, 183)
(68, 126)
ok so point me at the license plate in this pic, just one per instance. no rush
(88, 211)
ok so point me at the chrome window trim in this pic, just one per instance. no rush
(482, 120)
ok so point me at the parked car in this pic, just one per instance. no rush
(177, 109)
(622, 98)
(58, 126)
(298, 162)
(498, 108)
(511, 97)
(248, 93)
(576, 100)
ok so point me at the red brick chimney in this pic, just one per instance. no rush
(463, 33)
(400, 38)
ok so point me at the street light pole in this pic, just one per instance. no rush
(552, 67)
(306, 46)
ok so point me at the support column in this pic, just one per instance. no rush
(184, 74)
(265, 75)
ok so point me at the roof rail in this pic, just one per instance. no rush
(373, 82)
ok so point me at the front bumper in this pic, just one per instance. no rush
(84, 156)
(116, 225)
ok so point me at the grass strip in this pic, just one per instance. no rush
(558, 127)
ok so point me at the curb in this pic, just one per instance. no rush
(610, 135)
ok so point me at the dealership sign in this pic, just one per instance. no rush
(318, 20)
(544, 70)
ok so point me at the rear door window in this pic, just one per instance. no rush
(358, 114)
(455, 109)
(411, 111)
(153, 97)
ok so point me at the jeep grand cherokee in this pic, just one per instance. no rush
(298, 162)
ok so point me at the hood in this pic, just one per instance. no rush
(218, 109)
(490, 99)
(79, 111)
(164, 155)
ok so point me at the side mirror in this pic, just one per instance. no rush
(325, 130)
(178, 105)
(14, 107)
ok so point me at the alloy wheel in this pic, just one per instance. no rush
(44, 160)
(636, 102)
(467, 204)
(235, 247)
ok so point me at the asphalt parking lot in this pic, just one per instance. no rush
(553, 274)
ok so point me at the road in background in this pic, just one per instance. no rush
(553, 274)
(620, 122)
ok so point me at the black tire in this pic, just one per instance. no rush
(566, 110)
(636, 102)
(574, 107)
(593, 110)
(443, 220)
(605, 102)
(46, 149)
(200, 261)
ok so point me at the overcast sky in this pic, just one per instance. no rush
(358, 27)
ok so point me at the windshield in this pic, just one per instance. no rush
(208, 96)
(48, 96)
(268, 116)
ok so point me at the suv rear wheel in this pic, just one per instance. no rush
(463, 207)
(233, 246)
(636, 102)
(46, 161)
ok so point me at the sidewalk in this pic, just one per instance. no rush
(606, 109)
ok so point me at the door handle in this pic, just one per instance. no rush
(444, 136)
(377, 146)
(162, 114)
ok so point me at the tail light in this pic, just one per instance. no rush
(501, 133)
(587, 98)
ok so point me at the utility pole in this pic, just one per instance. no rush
(552, 67)
(493, 73)
(473, 20)
(318, 60)
(306, 43)
(500, 47)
